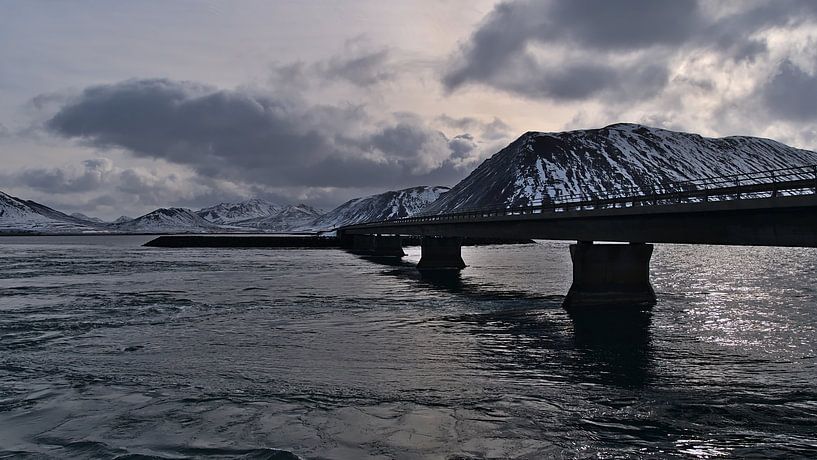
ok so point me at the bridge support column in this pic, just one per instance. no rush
(441, 254)
(610, 275)
(345, 240)
(362, 244)
(388, 246)
(377, 245)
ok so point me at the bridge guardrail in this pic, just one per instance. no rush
(762, 184)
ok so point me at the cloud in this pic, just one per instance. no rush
(149, 189)
(493, 130)
(621, 51)
(100, 187)
(623, 24)
(463, 145)
(361, 70)
(357, 64)
(257, 138)
(792, 93)
(66, 180)
(573, 39)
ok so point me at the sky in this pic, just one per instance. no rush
(118, 108)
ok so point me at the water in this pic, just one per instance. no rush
(109, 349)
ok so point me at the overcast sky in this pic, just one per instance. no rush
(113, 108)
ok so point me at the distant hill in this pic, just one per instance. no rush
(167, 220)
(230, 213)
(82, 216)
(388, 205)
(536, 167)
(122, 219)
(289, 218)
(17, 215)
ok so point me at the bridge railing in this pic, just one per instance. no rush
(761, 184)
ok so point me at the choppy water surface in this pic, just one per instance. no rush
(110, 349)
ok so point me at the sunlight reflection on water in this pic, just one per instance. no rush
(112, 349)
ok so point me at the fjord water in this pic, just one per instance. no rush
(111, 349)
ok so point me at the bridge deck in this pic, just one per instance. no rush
(770, 208)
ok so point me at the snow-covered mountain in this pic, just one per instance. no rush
(25, 215)
(230, 213)
(288, 218)
(389, 205)
(254, 215)
(82, 216)
(540, 166)
(168, 220)
(536, 167)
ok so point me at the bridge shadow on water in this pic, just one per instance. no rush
(606, 348)
(453, 282)
(534, 335)
(614, 345)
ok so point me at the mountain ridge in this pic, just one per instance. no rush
(540, 166)
(536, 167)
(388, 205)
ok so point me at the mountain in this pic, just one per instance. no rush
(168, 220)
(122, 219)
(389, 205)
(540, 166)
(230, 213)
(82, 216)
(25, 215)
(288, 218)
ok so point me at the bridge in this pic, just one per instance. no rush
(764, 208)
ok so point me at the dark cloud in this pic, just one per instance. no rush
(498, 53)
(734, 32)
(792, 93)
(358, 68)
(622, 24)
(458, 123)
(749, 50)
(585, 80)
(493, 130)
(254, 138)
(463, 146)
(58, 180)
(146, 189)
(361, 70)
(404, 140)
(618, 50)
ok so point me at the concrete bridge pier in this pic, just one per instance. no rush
(441, 253)
(388, 246)
(377, 245)
(609, 275)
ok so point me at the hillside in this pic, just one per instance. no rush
(540, 166)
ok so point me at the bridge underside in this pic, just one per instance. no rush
(615, 274)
